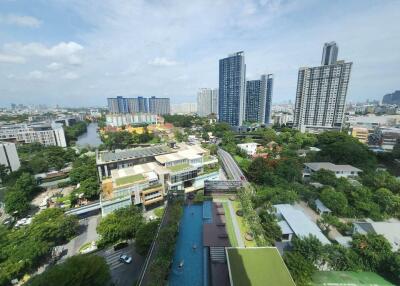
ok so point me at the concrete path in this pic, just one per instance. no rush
(235, 225)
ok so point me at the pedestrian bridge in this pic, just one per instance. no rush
(222, 186)
(84, 209)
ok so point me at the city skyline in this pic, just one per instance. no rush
(89, 54)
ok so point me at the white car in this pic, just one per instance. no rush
(125, 259)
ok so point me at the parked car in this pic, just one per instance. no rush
(120, 245)
(125, 259)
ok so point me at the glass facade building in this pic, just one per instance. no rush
(153, 105)
(232, 89)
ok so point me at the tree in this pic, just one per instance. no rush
(309, 247)
(385, 199)
(16, 202)
(145, 236)
(90, 188)
(258, 170)
(4, 170)
(372, 249)
(289, 168)
(300, 268)
(77, 270)
(334, 200)
(120, 225)
(325, 177)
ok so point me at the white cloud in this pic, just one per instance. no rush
(54, 66)
(71, 75)
(162, 62)
(10, 59)
(19, 20)
(36, 74)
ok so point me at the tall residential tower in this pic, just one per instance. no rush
(258, 99)
(207, 101)
(321, 93)
(232, 89)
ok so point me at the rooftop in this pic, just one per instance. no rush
(299, 223)
(140, 152)
(257, 266)
(390, 230)
(331, 167)
(324, 278)
(179, 167)
(129, 179)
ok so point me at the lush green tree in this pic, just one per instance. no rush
(79, 270)
(309, 247)
(4, 170)
(300, 268)
(258, 169)
(391, 268)
(270, 225)
(83, 168)
(372, 249)
(145, 236)
(381, 179)
(385, 199)
(89, 188)
(334, 200)
(120, 225)
(274, 195)
(289, 168)
(16, 202)
(341, 258)
(73, 132)
(325, 177)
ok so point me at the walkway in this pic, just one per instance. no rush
(235, 225)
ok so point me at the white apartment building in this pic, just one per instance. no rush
(9, 156)
(118, 120)
(207, 101)
(46, 134)
(321, 96)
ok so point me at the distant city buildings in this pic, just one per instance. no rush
(9, 156)
(321, 93)
(392, 98)
(118, 120)
(207, 101)
(152, 105)
(258, 99)
(184, 108)
(232, 89)
(43, 133)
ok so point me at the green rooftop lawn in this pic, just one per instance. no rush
(129, 179)
(179, 167)
(229, 225)
(321, 278)
(258, 266)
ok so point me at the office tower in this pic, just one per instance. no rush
(9, 156)
(159, 106)
(329, 54)
(232, 89)
(207, 101)
(258, 99)
(321, 96)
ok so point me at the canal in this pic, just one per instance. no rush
(89, 139)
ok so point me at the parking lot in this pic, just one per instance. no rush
(123, 274)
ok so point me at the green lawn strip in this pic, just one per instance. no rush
(179, 167)
(229, 225)
(242, 226)
(129, 179)
(258, 266)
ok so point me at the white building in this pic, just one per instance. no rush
(121, 119)
(184, 108)
(9, 156)
(345, 171)
(207, 101)
(321, 94)
(249, 148)
(43, 133)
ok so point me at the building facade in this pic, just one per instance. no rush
(232, 89)
(118, 120)
(329, 54)
(207, 101)
(153, 105)
(46, 134)
(9, 156)
(258, 100)
(321, 95)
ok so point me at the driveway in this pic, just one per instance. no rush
(123, 274)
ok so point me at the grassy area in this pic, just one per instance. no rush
(243, 226)
(348, 278)
(208, 158)
(129, 179)
(179, 167)
(229, 225)
(258, 266)
(159, 212)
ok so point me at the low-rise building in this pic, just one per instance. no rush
(361, 133)
(345, 171)
(390, 230)
(145, 178)
(249, 148)
(121, 119)
(43, 133)
(385, 137)
(9, 156)
(294, 222)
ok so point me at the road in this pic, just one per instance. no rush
(123, 274)
(231, 167)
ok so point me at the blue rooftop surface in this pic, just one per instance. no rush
(301, 225)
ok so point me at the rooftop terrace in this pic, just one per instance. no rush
(140, 152)
(129, 179)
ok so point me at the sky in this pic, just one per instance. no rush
(79, 52)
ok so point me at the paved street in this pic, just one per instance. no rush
(123, 274)
(231, 167)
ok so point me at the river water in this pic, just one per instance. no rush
(91, 138)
